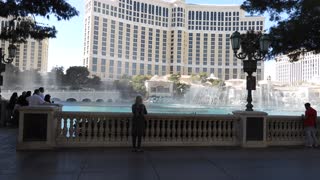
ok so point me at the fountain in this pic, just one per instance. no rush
(201, 98)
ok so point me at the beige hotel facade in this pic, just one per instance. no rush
(159, 37)
(30, 55)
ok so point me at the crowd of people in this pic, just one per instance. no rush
(25, 99)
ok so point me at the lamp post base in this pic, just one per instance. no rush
(249, 107)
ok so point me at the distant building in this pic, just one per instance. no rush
(30, 55)
(307, 69)
(158, 37)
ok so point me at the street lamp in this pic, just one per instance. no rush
(12, 49)
(254, 46)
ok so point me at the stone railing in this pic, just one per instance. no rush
(113, 129)
(93, 129)
(286, 130)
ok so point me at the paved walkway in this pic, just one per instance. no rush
(157, 163)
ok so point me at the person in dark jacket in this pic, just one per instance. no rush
(138, 123)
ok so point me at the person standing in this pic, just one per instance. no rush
(41, 94)
(138, 123)
(309, 123)
(35, 99)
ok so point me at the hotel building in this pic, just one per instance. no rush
(30, 55)
(159, 37)
(307, 69)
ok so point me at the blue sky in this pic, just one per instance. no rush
(67, 48)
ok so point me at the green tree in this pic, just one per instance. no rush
(77, 76)
(22, 24)
(94, 82)
(124, 86)
(203, 77)
(138, 84)
(57, 76)
(296, 34)
(175, 78)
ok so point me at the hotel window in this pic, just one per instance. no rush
(111, 65)
(104, 37)
(149, 70)
(103, 65)
(190, 48)
(205, 49)
(134, 68)
(157, 50)
(120, 37)
(119, 68)
(141, 69)
(142, 43)
(150, 44)
(164, 47)
(135, 43)
(126, 68)
(198, 49)
(164, 70)
(127, 41)
(212, 49)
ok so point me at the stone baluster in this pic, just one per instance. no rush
(210, 139)
(220, 131)
(184, 130)
(117, 129)
(163, 130)
(179, 130)
(194, 130)
(205, 130)
(147, 130)
(190, 132)
(77, 129)
(65, 128)
(199, 130)
(89, 128)
(108, 129)
(113, 129)
(71, 128)
(173, 130)
(224, 130)
(99, 129)
(157, 139)
(95, 129)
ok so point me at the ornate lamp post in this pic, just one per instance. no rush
(12, 49)
(3, 61)
(254, 47)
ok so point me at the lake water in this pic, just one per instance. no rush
(170, 108)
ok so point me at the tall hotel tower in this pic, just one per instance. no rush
(30, 55)
(307, 69)
(159, 37)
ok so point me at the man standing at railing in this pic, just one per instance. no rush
(309, 123)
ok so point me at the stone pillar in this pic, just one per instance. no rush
(37, 127)
(252, 128)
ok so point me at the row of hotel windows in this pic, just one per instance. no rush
(153, 16)
(176, 46)
(158, 69)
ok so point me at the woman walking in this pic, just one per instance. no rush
(138, 123)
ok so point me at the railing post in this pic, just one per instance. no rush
(37, 127)
(252, 128)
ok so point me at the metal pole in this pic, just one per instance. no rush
(250, 82)
(249, 97)
(1, 113)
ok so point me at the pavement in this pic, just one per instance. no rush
(158, 163)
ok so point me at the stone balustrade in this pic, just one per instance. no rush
(96, 129)
(286, 130)
(113, 129)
